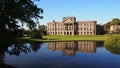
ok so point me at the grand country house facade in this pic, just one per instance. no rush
(69, 26)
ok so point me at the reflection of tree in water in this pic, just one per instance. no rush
(2, 56)
(2, 64)
(99, 43)
(114, 50)
(18, 48)
(35, 46)
(15, 49)
(113, 44)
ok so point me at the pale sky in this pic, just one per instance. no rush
(101, 11)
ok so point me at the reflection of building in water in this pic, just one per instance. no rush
(87, 46)
(69, 48)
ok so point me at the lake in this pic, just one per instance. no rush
(72, 54)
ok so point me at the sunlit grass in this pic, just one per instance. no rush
(57, 37)
(68, 38)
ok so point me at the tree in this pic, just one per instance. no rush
(114, 21)
(35, 34)
(112, 44)
(42, 29)
(14, 11)
(107, 27)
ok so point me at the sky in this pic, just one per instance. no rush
(101, 11)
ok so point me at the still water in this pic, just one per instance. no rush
(74, 54)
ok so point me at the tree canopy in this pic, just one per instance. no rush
(14, 11)
(114, 21)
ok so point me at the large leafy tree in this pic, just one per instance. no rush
(114, 21)
(13, 12)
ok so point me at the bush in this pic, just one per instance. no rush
(113, 41)
(36, 34)
(112, 44)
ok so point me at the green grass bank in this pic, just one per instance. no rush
(48, 38)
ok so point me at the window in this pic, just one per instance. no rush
(67, 33)
(64, 33)
(81, 28)
(70, 33)
(84, 33)
(90, 32)
(87, 33)
(84, 24)
(81, 33)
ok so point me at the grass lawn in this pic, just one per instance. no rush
(51, 37)
(68, 38)
(48, 38)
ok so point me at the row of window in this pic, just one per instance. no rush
(71, 29)
(70, 24)
(54, 24)
(85, 28)
(85, 25)
(70, 33)
(60, 33)
(83, 45)
(54, 33)
(60, 29)
(85, 33)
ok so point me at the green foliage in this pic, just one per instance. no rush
(107, 26)
(27, 33)
(112, 44)
(113, 50)
(114, 21)
(13, 12)
(113, 41)
(36, 34)
(42, 29)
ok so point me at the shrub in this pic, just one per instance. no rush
(113, 41)
(36, 34)
(113, 44)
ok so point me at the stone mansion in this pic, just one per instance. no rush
(69, 26)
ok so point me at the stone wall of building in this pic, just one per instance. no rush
(69, 26)
(86, 27)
